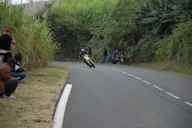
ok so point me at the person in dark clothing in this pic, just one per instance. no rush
(10, 87)
(7, 83)
(18, 57)
(6, 39)
(89, 51)
(105, 54)
(6, 44)
(115, 57)
(16, 69)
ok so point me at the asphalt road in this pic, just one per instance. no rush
(127, 97)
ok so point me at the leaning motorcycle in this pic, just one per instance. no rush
(88, 61)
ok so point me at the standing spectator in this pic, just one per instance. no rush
(109, 57)
(115, 56)
(90, 51)
(105, 54)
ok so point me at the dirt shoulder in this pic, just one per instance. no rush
(35, 101)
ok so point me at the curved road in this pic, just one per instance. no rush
(127, 97)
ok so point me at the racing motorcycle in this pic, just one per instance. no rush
(88, 61)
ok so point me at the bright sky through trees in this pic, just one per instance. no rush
(24, 1)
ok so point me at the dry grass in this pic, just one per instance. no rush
(35, 101)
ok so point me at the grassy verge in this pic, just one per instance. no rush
(35, 101)
(167, 66)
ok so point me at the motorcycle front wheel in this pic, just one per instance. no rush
(89, 63)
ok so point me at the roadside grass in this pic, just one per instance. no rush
(35, 101)
(167, 66)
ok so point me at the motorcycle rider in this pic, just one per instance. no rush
(83, 52)
(84, 57)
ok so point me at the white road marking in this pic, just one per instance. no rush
(172, 95)
(138, 78)
(188, 103)
(146, 82)
(131, 75)
(135, 77)
(125, 73)
(61, 107)
(157, 87)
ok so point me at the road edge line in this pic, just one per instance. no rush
(61, 107)
(188, 103)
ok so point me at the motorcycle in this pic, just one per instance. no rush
(88, 61)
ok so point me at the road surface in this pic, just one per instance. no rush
(127, 97)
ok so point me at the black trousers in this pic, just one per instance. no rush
(10, 87)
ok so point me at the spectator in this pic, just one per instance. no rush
(7, 42)
(115, 56)
(6, 39)
(90, 51)
(16, 70)
(105, 54)
(7, 83)
(109, 57)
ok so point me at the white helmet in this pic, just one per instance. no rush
(82, 50)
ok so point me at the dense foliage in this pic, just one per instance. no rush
(178, 46)
(146, 31)
(32, 36)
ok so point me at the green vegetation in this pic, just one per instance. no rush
(177, 46)
(32, 35)
(147, 31)
(79, 23)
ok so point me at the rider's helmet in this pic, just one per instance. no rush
(82, 50)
